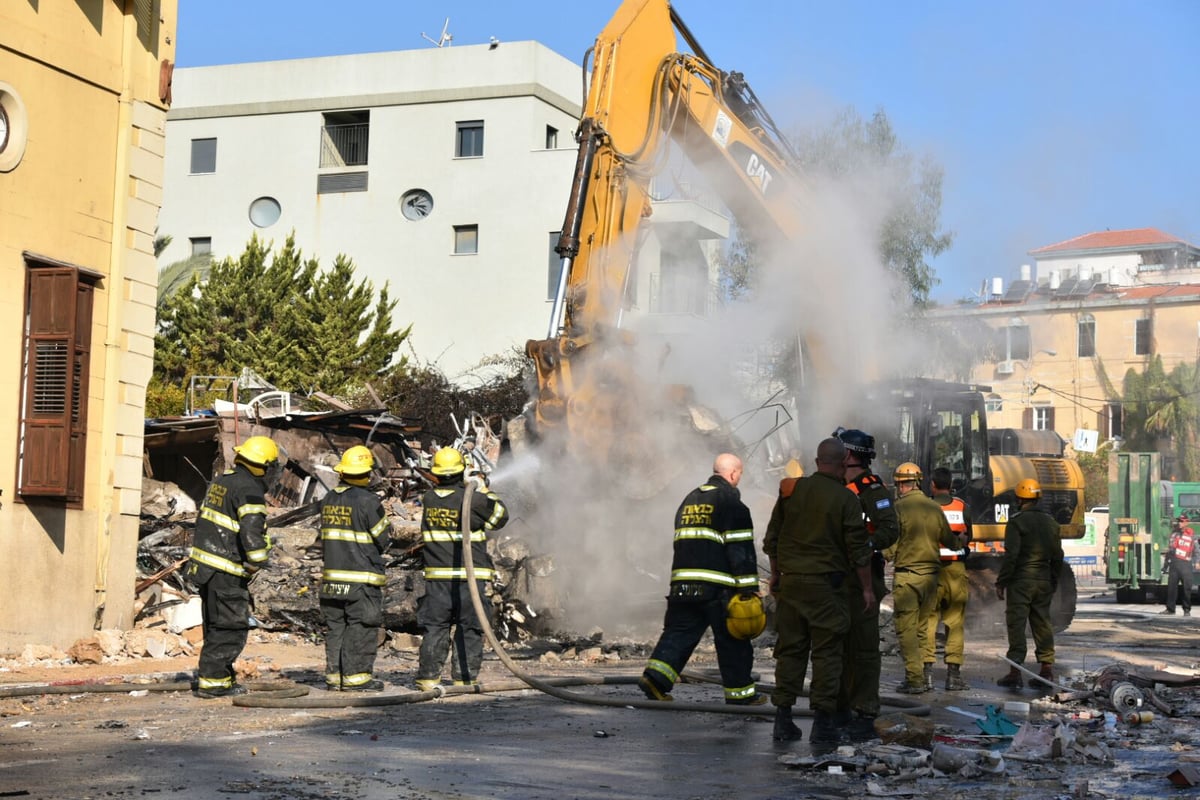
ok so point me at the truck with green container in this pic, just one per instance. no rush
(1142, 508)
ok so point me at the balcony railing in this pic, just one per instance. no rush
(344, 145)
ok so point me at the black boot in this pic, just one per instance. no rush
(929, 676)
(785, 729)
(954, 679)
(861, 729)
(824, 730)
(1044, 679)
(1012, 680)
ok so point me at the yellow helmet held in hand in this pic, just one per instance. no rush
(744, 617)
(908, 471)
(357, 460)
(258, 450)
(1029, 489)
(447, 461)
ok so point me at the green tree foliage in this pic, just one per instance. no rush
(298, 327)
(1163, 407)
(1095, 475)
(853, 148)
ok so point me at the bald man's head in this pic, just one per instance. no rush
(729, 467)
(831, 457)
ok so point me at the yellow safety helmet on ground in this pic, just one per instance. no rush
(744, 617)
(908, 471)
(1029, 489)
(259, 450)
(357, 460)
(447, 461)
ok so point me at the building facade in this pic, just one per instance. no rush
(1066, 335)
(443, 172)
(84, 89)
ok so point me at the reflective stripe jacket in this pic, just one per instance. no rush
(355, 533)
(231, 528)
(1183, 543)
(960, 525)
(441, 530)
(714, 539)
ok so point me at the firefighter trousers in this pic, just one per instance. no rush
(913, 598)
(1027, 601)
(447, 604)
(950, 608)
(812, 618)
(353, 636)
(684, 625)
(225, 605)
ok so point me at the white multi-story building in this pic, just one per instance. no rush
(442, 171)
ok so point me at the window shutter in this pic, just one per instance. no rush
(50, 380)
(79, 391)
(1027, 418)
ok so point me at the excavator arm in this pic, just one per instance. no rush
(643, 96)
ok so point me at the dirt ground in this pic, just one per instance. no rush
(526, 744)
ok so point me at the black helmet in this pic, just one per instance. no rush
(861, 443)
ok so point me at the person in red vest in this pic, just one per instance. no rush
(1179, 565)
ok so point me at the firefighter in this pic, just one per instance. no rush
(815, 539)
(229, 547)
(1179, 566)
(1033, 560)
(858, 698)
(714, 568)
(355, 533)
(447, 598)
(953, 587)
(915, 564)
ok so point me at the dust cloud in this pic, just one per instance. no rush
(604, 511)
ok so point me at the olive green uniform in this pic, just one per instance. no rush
(861, 662)
(916, 562)
(816, 537)
(1033, 559)
(954, 587)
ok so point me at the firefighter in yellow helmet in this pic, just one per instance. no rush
(713, 563)
(953, 586)
(916, 563)
(229, 546)
(447, 602)
(1033, 560)
(355, 533)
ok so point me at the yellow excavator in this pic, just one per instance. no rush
(643, 97)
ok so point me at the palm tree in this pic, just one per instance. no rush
(1161, 406)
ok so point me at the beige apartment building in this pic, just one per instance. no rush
(1073, 323)
(84, 89)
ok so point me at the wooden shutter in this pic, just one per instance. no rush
(50, 370)
(81, 359)
(1027, 418)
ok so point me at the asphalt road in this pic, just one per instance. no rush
(521, 744)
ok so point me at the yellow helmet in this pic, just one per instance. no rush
(1029, 489)
(744, 617)
(447, 461)
(258, 450)
(908, 471)
(792, 469)
(357, 460)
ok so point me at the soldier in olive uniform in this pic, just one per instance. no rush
(1033, 559)
(861, 662)
(916, 563)
(816, 537)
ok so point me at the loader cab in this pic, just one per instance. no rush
(937, 424)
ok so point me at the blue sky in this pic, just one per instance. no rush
(1052, 119)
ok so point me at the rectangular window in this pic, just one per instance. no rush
(1039, 418)
(201, 246)
(1087, 338)
(554, 272)
(1142, 331)
(1111, 421)
(344, 138)
(469, 142)
(551, 137)
(204, 156)
(58, 336)
(466, 239)
(1018, 343)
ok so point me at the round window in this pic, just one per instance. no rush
(416, 204)
(14, 128)
(264, 212)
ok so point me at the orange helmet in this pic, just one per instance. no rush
(1029, 489)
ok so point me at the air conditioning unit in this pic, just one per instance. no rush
(1004, 368)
